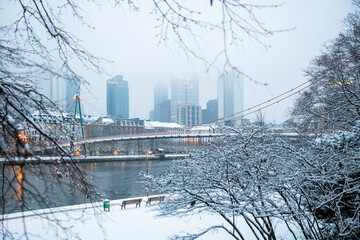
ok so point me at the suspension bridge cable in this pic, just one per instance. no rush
(266, 106)
(233, 116)
(229, 117)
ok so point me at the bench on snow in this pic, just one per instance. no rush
(155, 198)
(137, 201)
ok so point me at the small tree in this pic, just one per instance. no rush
(260, 119)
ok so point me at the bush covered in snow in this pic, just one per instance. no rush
(310, 185)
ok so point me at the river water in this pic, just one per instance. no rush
(112, 180)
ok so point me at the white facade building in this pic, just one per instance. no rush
(163, 126)
(184, 90)
(230, 94)
(54, 88)
(189, 115)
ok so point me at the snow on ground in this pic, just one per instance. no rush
(86, 222)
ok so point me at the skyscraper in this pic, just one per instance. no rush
(53, 87)
(151, 115)
(184, 90)
(210, 114)
(117, 103)
(230, 94)
(43, 85)
(160, 96)
(164, 110)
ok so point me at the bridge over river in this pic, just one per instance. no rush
(149, 136)
(168, 135)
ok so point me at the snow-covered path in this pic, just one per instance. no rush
(85, 222)
(91, 222)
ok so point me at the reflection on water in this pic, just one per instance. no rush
(119, 180)
(112, 180)
(19, 183)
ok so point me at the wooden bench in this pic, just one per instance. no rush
(156, 198)
(131, 201)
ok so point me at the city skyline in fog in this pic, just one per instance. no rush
(128, 40)
(143, 63)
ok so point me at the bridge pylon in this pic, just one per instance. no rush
(77, 110)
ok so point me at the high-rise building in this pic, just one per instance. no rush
(72, 88)
(160, 95)
(184, 90)
(164, 111)
(152, 115)
(188, 115)
(43, 85)
(53, 87)
(230, 94)
(210, 114)
(117, 103)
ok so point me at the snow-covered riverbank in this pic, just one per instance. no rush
(90, 159)
(91, 222)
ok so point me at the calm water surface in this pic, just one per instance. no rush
(113, 180)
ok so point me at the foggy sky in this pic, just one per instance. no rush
(128, 39)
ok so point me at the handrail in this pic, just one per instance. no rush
(185, 133)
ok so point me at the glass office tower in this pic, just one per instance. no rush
(117, 103)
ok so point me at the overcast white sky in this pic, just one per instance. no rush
(129, 40)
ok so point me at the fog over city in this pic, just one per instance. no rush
(129, 39)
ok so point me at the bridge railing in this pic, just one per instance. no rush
(182, 134)
(150, 134)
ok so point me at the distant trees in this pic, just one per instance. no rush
(260, 119)
(333, 100)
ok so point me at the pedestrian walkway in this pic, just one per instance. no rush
(91, 222)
